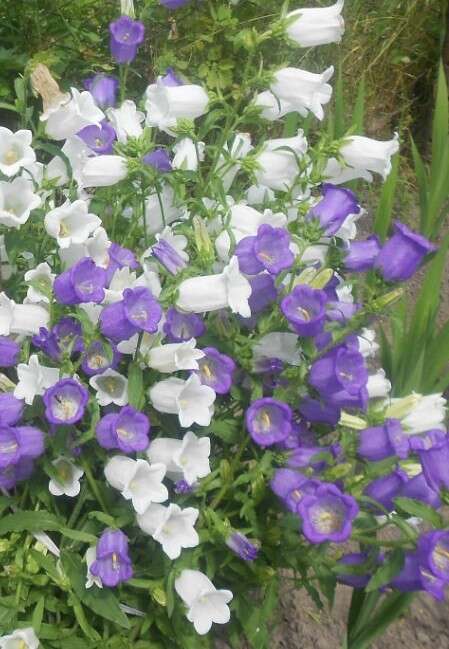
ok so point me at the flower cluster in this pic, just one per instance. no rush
(194, 331)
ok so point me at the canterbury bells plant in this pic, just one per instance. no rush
(191, 403)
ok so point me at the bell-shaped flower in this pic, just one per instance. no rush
(280, 345)
(295, 90)
(161, 210)
(228, 164)
(20, 639)
(205, 604)
(72, 116)
(67, 480)
(313, 26)
(187, 458)
(172, 527)
(175, 356)
(190, 400)
(96, 247)
(278, 162)
(104, 171)
(122, 279)
(166, 104)
(15, 151)
(378, 385)
(24, 319)
(77, 153)
(187, 155)
(34, 379)
(126, 120)
(362, 156)
(71, 223)
(103, 89)
(111, 387)
(91, 580)
(40, 281)
(137, 480)
(213, 292)
(17, 200)
(419, 413)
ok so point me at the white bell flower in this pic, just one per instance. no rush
(278, 166)
(5, 266)
(278, 344)
(15, 150)
(91, 580)
(205, 604)
(419, 413)
(368, 346)
(68, 481)
(17, 200)
(42, 279)
(71, 223)
(186, 156)
(190, 400)
(316, 26)
(166, 104)
(126, 120)
(175, 356)
(172, 527)
(230, 288)
(122, 279)
(146, 343)
(228, 170)
(161, 213)
(95, 246)
(111, 387)
(20, 639)
(72, 116)
(24, 319)
(34, 379)
(104, 171)
(187, 458)
(77, 153)
(362, 156)
(137, 480)
(378, 385)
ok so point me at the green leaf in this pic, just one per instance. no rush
(29, 521)
(390, 610)
(38, 614)
(390, 568)
(420, 510)
(135, 386)
(384, 212)
(440, 126)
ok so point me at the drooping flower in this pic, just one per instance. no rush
(126, 36)
(402, 254)
(305, 309)
(384, 489)
(24, 319)
(327, 515)
(104, 170)
(379, 442)
(172, 527)
(34, 379)
(126, 430)
(175, 356)
(204, 602)
(216, 370)
(190, 400)
(268, 421)
(103, 89)
(277, 164)
(242, 546)
(111, 387)
(308, 27)
(65, 402)
(187, 458)
(362, 255)
(67, 482)
(84, 282)
(334, 208)
(15, 151)
(137, 480)
(112, 563)
(362, 155)
(418, 488)
(165, 104)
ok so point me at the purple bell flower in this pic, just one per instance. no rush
(380, 442)
(126, 36)
(334, 208)
(171, 79)
(83, 282)
(318, 412)
(384, 489)
(263, 292)
(126, 430)
(300, 437)
(361, 255)
(340, 377)
(416, 575)
(342, 312)
(353, 580)
(216, 370)
(119, 258)
(433, 553)
(21, 442)
(291, 487)
(9, 352)
(65, 336)
(271, 248)
(409, 579)
(173, 4)
(268, 421)
(433, 452)
(402, 254)
(11, 409)
(242, 546)
(304, 457)
(159, 160)
(65, 402)
(327, 515)
(112, 564)
(103, 89)
(99, 138)
(168, 257)
(137, 311)
(418, 489)
(180, 327)
(13, 473)
(305, 310)
(99, 357)
(248, 262)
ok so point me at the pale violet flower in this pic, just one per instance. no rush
(68, 481)
(172, 527)
(175, 356)
(160, 213)
(362, 156)
(378, 385)
(190, 400)
(309, 27)
(419, 413)
(91, 580)
(104, 171)
(40, 279)
(187, 458)
(137, 480)
(15, 151)
(24, 319)
(280, 345)
(166, 104)
(277, 164)
(34, 379)
(205, 604)
(71, 223)
(17, 201)
(111, 387)
(230, 288)
(186, 155)
(72, 116)
(177, 241)
(20, 639)
(126, 120)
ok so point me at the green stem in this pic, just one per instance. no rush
(93, 485)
